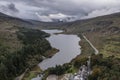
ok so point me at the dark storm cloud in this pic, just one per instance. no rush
(12, 7)
(46, 10)
(9, 8)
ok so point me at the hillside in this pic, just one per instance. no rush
(103, 32)
(8, 28)
(21, 46)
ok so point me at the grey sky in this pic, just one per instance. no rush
(46, 10)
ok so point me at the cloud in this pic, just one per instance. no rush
(51, 17)
(19, 9)
(12, 7)
(43, 18)
(8, 8)
(60, 9)
(101, 12)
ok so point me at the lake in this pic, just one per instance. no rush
(68, 45)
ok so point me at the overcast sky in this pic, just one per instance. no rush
(47, 10)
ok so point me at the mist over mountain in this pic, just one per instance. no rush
(50, 10)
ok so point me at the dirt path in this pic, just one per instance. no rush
(21, 76)
(96, 51)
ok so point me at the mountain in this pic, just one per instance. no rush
(21, 46)
(3, 15)
(8, 28)
(10, 19)
(67, 19)
(103, 32)
(102, 22)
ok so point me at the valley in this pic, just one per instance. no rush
(26, 43)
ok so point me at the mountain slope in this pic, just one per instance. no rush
(8, 28)
(103, 32)
(21, 46)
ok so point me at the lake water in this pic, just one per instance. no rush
(67, 44)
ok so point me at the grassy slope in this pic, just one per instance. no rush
(102, 31)
(8, 37)
(9, 41)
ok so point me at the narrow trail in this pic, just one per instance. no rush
(21, 76)
(96, 51)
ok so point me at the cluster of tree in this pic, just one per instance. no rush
(13, 64)
(105, 68)
(59, 70)
(80, 61)
(28, 36)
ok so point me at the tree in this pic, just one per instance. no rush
(3, 72)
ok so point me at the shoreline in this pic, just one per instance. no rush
(53, 51)
(84, 47)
